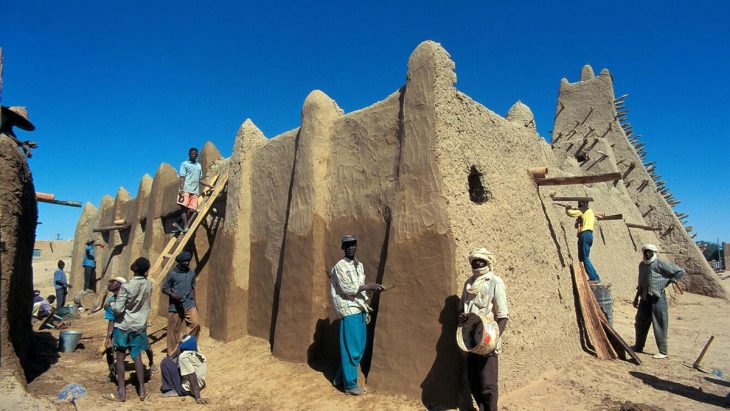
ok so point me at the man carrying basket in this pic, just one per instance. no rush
(484, 295)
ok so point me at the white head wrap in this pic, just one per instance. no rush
(482, 253)
(651, 247)
(480, 275)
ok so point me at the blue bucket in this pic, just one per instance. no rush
(68, 340)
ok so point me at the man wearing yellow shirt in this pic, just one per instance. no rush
(585, 222)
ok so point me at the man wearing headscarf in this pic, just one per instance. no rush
(349, 300)
(655, 275)
(179, 286)
(485, 295)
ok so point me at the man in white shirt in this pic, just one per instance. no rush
(349, 300)
(484, 294)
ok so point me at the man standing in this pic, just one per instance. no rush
(191, 174)
(349, 300)
(585, 222)
(179, 286)
(651, 300)
(60, 283)
(131, 309)
(485, 295)
(89, 265)
(16, 117)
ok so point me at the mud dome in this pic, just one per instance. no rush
(421, 178)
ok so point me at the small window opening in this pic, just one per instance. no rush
(582, 156)
(477, 192)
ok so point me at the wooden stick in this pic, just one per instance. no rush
(698, 363)
(109, 228)
(591, 315)
(554, 198)
(642, 227)
(60, 202)
(611, 217)
(559, 181)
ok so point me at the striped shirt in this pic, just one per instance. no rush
(656, 276)
(346, 277)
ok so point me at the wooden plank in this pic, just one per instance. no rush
(642, 227)
(561, 181)
(594, 330)
(598, 314)
(618, 343)
(611, 217)
(109, 228)
(556, 198)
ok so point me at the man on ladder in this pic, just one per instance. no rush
(191, 175)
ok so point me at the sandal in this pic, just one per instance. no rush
(145, 398)
(356, 391)
(113, 397)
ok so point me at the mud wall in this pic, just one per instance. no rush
(421, 178)
(87, 221)
(18, 218)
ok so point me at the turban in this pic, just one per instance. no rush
(651, 247)
(482, 254)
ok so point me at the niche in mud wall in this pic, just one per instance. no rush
(478, 192)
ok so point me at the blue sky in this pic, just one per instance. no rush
(115, 88)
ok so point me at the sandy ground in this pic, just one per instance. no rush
(244, 375)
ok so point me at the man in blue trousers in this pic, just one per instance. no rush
(585, 222)
(349, 300)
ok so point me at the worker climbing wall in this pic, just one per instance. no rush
(591, 127)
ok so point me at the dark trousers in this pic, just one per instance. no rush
(60, 297)
(90, 278)
(652, 312)
(483, 371)
(171, 379)
(585, 242)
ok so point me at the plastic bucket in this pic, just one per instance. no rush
(604, 299)
(68, 340)
(478, 335)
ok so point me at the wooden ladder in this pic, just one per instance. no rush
(175, 246)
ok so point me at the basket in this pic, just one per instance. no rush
(478, 335)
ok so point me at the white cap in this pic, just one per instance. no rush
(120, 280)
